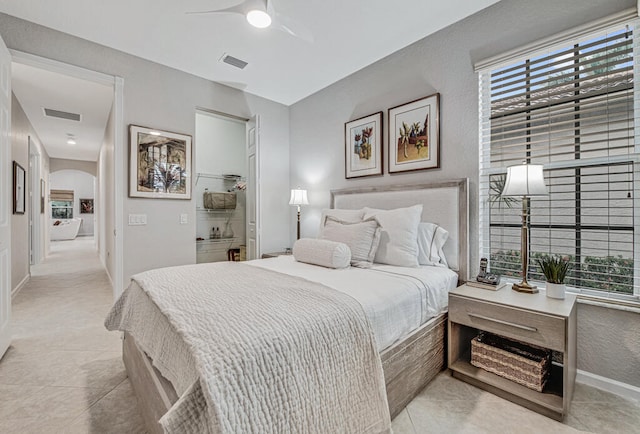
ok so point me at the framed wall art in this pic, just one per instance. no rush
(363, 146)
(86, 206)
(414, 135)
(19, 188)
(159, 164)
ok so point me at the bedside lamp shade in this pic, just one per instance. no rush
(298, 197)
(524, 180)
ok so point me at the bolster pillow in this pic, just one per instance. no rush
(330, 254)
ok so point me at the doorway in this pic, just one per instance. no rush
(60, 104)
(220, 186)
(36, 210)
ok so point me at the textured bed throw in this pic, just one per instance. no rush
(273, 353)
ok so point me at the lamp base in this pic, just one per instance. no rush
(525, 287)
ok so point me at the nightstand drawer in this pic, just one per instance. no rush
(536, 328)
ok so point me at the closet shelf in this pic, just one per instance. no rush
(224, 177)
(215, 211)
(217, 240)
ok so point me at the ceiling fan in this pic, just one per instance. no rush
(262, 14)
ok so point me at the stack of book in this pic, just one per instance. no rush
(486, 285)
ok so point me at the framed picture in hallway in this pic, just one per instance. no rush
(414, 135)
(19, 188)
(86, 206)
(42, 193)
(159, 164)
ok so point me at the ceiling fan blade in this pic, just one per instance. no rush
(237, 9)
(293, 28)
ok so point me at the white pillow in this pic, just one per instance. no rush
(431, 239)
(345, 215)
(325, 253)
(362, 238)
(399, 235)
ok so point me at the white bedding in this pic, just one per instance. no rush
(396, 300)
(271, 353)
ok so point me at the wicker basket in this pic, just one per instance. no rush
(213, 200)
(517, 361)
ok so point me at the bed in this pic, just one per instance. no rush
(410, 358)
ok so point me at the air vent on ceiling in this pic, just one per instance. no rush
(62, 115)
(233, 61)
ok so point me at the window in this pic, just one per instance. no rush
(572, 110)
(62, 204)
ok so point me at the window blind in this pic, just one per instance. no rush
(63, 195)
(574, 110)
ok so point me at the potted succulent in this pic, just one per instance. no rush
(555, 270)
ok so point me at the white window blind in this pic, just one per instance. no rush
(574, 109)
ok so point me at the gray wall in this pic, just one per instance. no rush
(440, 63)
(160, 97)
(21, 130)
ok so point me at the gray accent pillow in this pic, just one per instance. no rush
(325, 253)
(361, 237)
(344, 215)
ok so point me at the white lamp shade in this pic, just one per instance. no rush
(525, 180)
(298, 197)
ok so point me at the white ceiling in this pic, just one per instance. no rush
(348, 35)
(37, 89)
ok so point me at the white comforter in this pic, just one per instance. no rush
(271, 352)
(397, 300)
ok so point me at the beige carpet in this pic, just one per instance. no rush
(64, 372)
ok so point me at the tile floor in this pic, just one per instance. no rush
(64, 372)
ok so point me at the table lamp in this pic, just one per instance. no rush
(525, 181)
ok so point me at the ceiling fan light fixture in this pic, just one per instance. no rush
(259, 19)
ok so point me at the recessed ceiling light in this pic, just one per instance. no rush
(259, 19)
(154, 133)
(71, 142)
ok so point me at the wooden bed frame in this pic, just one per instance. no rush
(408, 365)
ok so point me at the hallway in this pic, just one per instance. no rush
(64, 370)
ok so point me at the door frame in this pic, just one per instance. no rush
(119, 143)
(36, 237)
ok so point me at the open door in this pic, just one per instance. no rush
(6, 197)
(253, 188)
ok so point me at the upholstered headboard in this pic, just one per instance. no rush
(444, 203)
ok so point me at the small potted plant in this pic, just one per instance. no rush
(555, 270)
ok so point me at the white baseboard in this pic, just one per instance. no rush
(106, 270)
(616, 387)
(19, 286)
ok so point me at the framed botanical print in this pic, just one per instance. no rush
(159, 164)
(363, 146)
(414, 135)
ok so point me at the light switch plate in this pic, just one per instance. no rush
(184, 219)
(137, 219)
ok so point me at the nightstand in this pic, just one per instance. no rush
(274, 254)
(530, 318)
